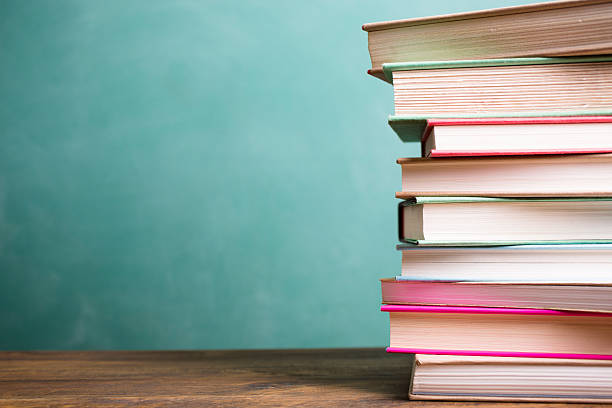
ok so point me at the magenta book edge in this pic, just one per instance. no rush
(466, 153)
(499, 353)
(485, 310)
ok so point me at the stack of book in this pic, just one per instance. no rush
(505, 291)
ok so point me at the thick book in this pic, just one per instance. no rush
(517, 136)
(585, 264)
(581, 175)
(503, 87)
(529, 295)
(503, 332)
(499, 221)
(477, 378)
(546, 29)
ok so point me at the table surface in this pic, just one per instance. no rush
(335, 377)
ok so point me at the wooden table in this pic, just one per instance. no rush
(305, 378)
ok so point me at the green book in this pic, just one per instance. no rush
(488, 221)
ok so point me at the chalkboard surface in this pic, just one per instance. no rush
(196, 174)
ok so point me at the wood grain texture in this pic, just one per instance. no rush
(305, 378)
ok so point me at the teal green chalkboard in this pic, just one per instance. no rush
(196, 174)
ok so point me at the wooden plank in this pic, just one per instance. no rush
(305, 378)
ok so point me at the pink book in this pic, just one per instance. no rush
(517, 136)
(504, 332)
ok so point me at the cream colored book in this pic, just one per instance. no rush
(558, 28)
(517, 136)
(504, 332)
(468, 221)
(587, 175)
(477, 378)
(531, 86)
(583, 264)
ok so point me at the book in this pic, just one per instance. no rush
(503, 87)
(545, 29)
(585, 175)
(543, 264)
(530, 295)
(410, 128)
(476, 378)
(517, 136)
(503, 332)
(498, 221)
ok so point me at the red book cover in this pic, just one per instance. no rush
(557, 120)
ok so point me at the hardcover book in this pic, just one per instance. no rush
(545, 29)
(502, 87)
(411, 128)
(503, 332)
(517, 136)
(476, 378)
(544, 264)
(491, 221)
(585, 175)
(526, 294)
